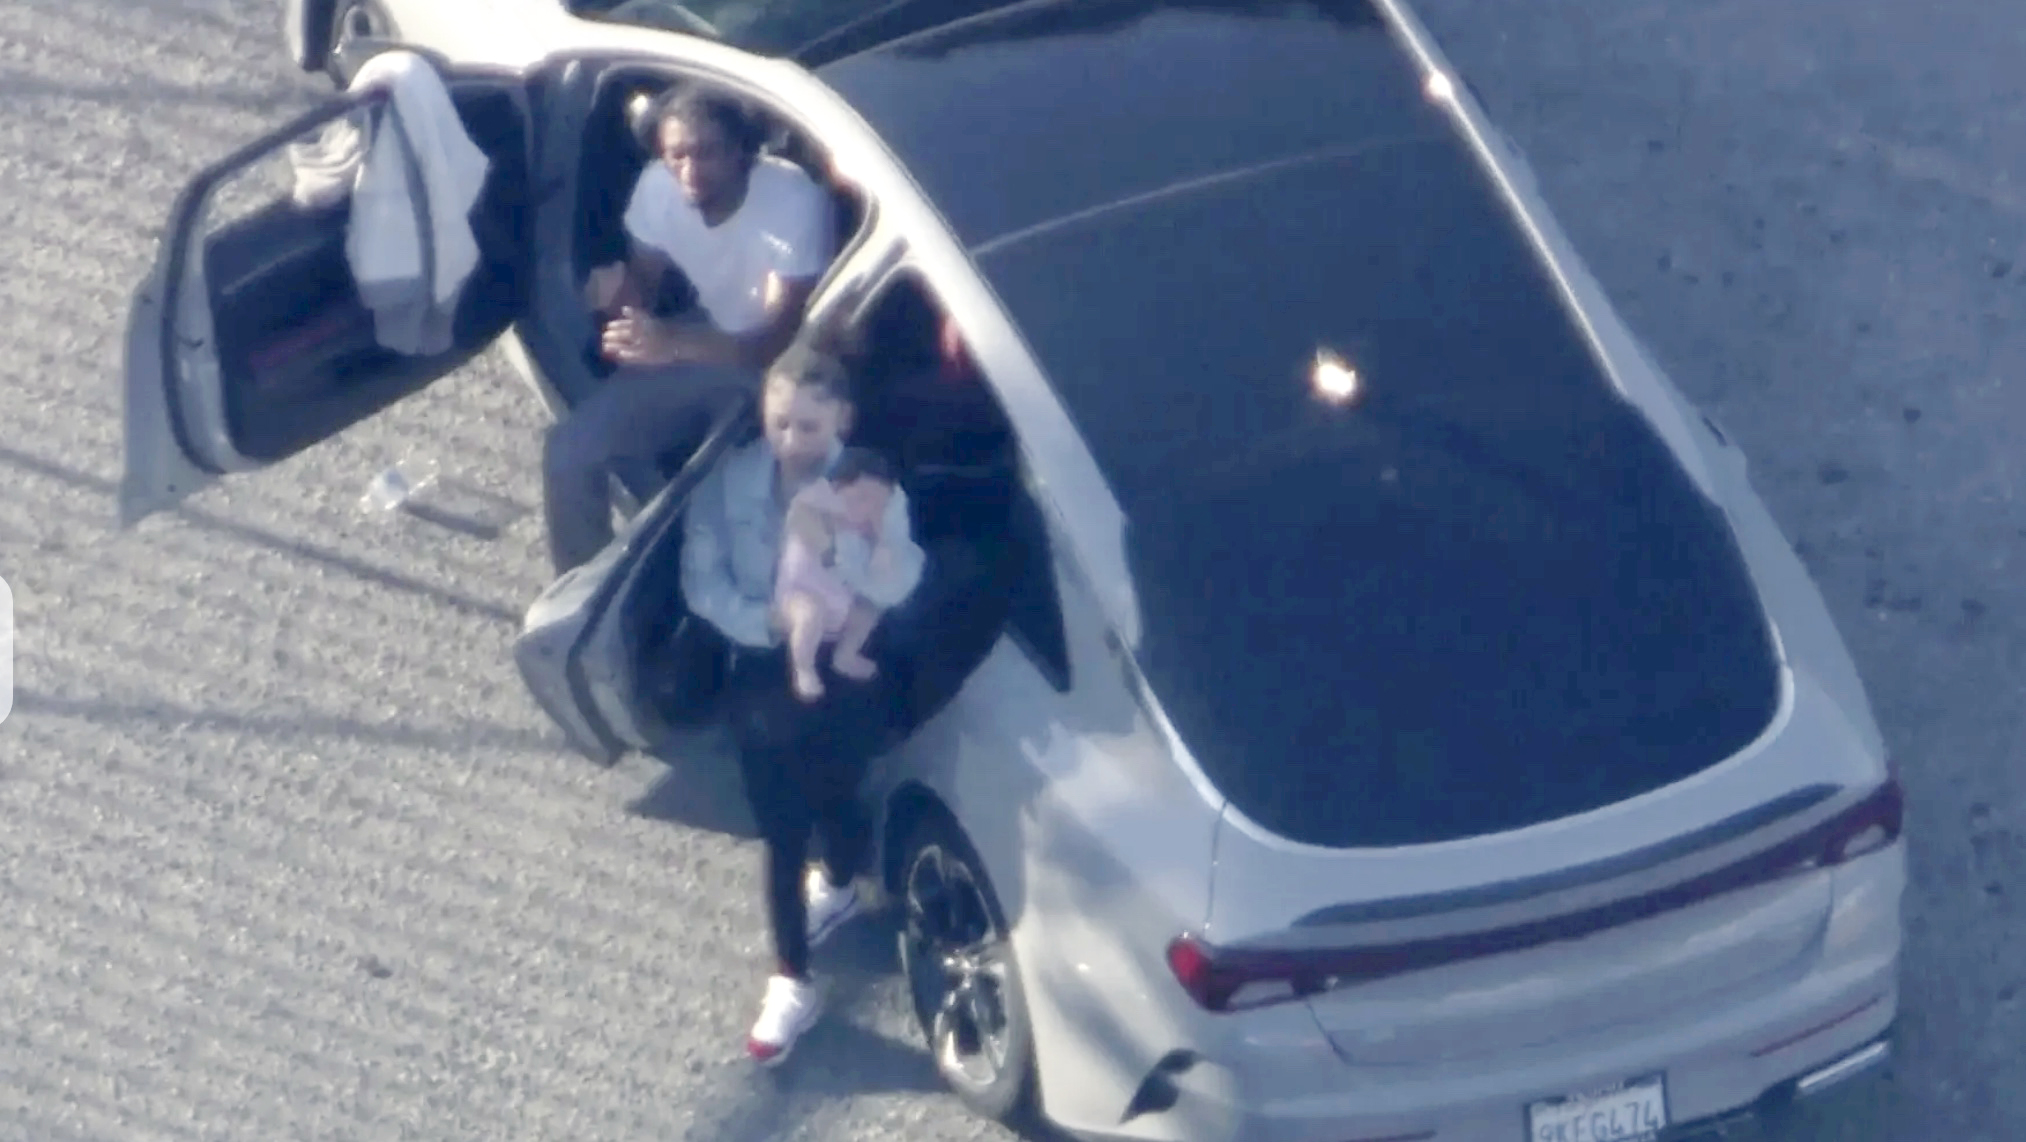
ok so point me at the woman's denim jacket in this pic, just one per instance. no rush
(732, 546)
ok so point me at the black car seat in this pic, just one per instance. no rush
(846, 204)
(926, 411)
(955, 452)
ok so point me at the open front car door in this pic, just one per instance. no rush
(324, 272)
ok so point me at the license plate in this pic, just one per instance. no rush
(1634, 1111)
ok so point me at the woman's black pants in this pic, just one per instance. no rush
(802, 763)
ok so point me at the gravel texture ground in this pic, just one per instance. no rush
(288, 855)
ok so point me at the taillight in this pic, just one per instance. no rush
(1232, 979)
(1865, 827)
(1190, 961)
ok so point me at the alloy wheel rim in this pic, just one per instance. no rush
(957, 969)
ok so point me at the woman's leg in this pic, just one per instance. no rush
(802, 764)
(852, 726)
(855, 721)
(846, 833)
(766, 737)
(767, 742)
(787, 845)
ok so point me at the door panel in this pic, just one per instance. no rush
(598, 649)
(251, 340)
(609, 650)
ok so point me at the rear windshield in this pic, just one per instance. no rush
(1479, 594)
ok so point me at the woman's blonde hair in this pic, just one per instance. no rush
(804, 368)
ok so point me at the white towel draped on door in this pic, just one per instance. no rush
(414, 175)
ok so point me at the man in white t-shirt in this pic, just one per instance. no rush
(752, 234)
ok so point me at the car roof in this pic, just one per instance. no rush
(812, 32)
(883, 22)
(1037, 111)
(1183, 206)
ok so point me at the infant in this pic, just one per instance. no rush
(834, 527)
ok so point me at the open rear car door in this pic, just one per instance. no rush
(610, 650)
(253, 339)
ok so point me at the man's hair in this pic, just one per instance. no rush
(806, 369)
(741, 127)
(855, 464)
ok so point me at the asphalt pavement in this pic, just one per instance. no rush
(285, 853)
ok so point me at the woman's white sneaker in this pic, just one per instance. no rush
(829, 906)
(789, 1009)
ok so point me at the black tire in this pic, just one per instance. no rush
(351, 19)
(950, 913)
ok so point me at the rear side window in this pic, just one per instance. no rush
(936, 415)
(1035, 622)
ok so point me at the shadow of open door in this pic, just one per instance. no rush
(701, 787)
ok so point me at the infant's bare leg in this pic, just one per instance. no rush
(848, 658)
(805, 636)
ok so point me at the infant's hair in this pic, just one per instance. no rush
(856, 464)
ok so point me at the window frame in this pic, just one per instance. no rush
(1028, 525)
(1044, 574)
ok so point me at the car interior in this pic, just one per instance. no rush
(938, 422)
(618, 146)
(293, 332)
(295, 343)
(959, 463)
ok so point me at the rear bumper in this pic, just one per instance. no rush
(1730, 1068)
(1761, 1120)
(1772, 1109)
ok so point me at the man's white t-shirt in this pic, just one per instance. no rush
(783, 227)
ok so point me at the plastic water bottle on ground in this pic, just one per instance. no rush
(393, 489)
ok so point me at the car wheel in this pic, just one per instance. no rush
(961, 975)
(355, 20)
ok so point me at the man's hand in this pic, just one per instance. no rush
(635, 338)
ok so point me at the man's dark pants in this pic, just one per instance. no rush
(625, 425)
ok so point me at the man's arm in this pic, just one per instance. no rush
(707, 345)
(632, 282)
(645, 268)
(639, 338)
(707, 584)
(628, 284)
